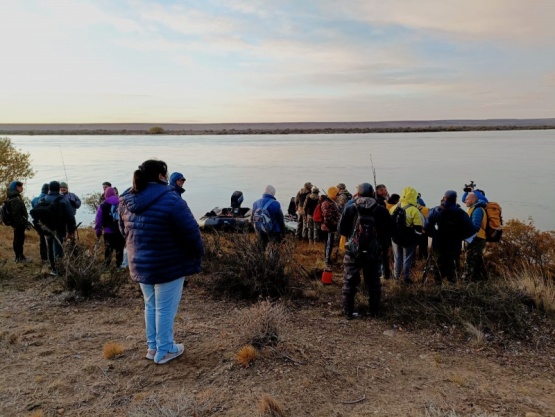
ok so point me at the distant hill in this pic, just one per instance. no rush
(278, 128)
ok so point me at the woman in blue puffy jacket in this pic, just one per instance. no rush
(164, 246)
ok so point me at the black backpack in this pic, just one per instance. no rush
(47, 216)
(403, 235)
(363, 243)
(110, 216)
(6, 214)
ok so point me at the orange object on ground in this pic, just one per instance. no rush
(326, 277)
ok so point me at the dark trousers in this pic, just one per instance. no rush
(423, 246)
(447, 264)
(43, 249)
(474, 268)
(113, 242)
(18, 241)
(351, 281)
(54, 249)
(386, 267)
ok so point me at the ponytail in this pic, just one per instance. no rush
(149, 171)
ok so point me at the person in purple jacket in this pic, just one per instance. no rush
(107, 221)
(163, 246)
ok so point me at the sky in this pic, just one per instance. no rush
(241, 61)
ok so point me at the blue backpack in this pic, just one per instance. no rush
(262, 219)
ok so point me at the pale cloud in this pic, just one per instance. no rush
(492, 19)
(253, 60)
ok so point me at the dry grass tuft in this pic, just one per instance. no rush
(269, 406)
(112, 350)
(246, 355)
(262, 324)
(477, 337)
(540, 289)
(37, 413)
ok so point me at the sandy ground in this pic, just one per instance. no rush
(52, 360)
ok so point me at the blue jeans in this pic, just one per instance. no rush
(54, 250)
(161, 303)
(404, 256)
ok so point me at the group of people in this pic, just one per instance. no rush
(52, 235)
(385, 223)
(162, 239)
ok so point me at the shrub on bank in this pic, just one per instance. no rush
(81, 272)
(523, 246)
(242, 267)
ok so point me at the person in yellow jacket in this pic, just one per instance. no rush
(405, 239)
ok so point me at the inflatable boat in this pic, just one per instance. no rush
(234, 218)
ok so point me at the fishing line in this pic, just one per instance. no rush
(63, 163)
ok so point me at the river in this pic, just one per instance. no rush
(514, 168)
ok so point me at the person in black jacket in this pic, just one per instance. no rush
(365, 204)
(448, 225)
(65, 226)
(20, 218)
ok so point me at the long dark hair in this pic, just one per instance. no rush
(149, 171)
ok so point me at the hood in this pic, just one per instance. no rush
(113, 200)
(480, 203)
(365, 203)
(44, 189)
(137, 203)
(332, 192)
(409, 196)
(174, 177)
(109, 192)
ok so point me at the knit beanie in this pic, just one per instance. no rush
(63, 184)
(270, 189)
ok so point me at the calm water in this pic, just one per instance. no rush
(515, 168)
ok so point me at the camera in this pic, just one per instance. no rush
(469, 187)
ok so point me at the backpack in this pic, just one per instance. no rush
(449, 225)
(363, 243)
(403, 235)
(317, 215)
(110, 216)
(494, 222)
(262, 219)
(47, 215)
(6, 215)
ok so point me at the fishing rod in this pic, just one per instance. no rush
(373, 172)
(63, 163)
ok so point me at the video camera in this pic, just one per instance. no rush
(469, 187)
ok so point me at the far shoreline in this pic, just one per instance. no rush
(276, 128)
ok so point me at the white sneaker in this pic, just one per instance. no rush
(170, 356)
(150, 354)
